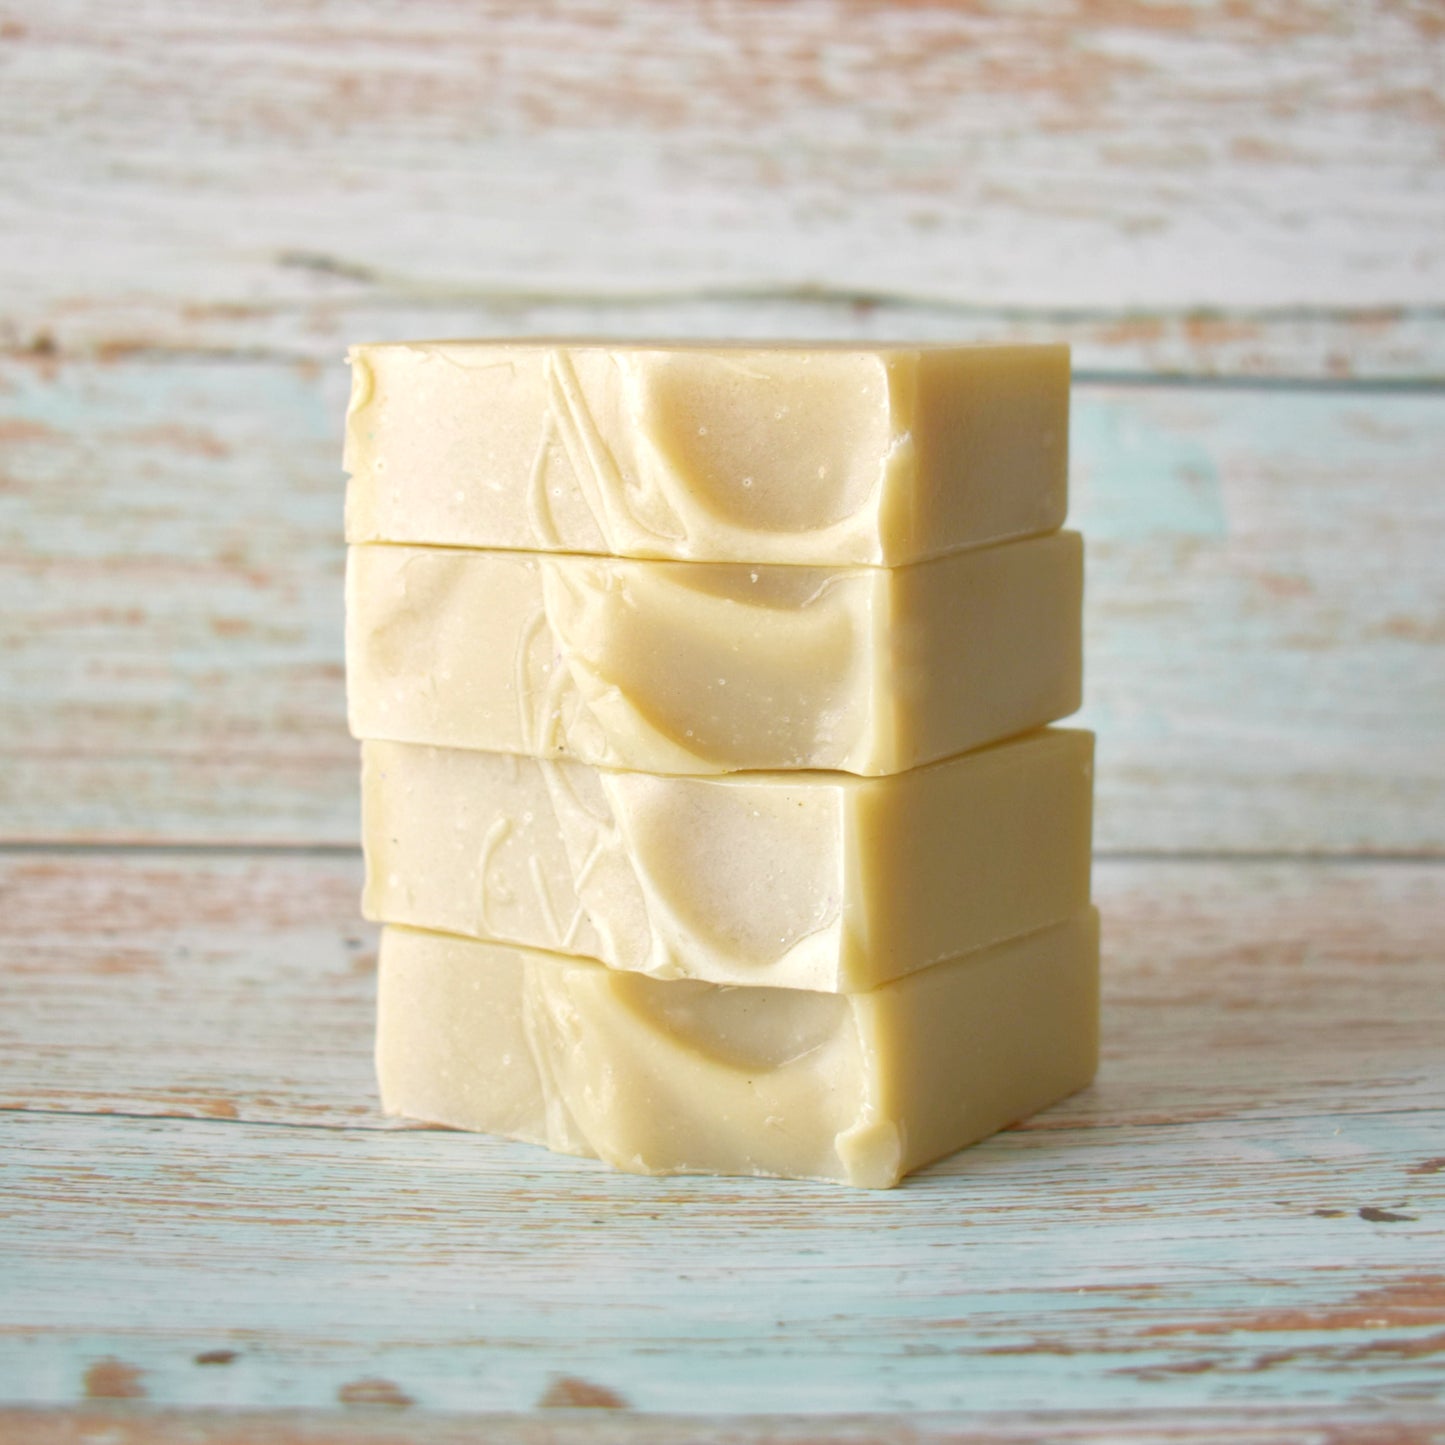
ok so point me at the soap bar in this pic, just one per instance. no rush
(684, 667)
(797, 880)
(732, 453)
(673, 1077)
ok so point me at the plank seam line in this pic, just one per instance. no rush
(1075, 1128)
(22, 848)
(1248, 1423)
(1086, 377)
(20, 1111)
(26, 848)
(1428, 385)
(1265, 856)
(396, 290)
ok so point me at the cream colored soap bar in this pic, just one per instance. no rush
(734, 453)
(683, 1077)
(792, 880)
(675, 667)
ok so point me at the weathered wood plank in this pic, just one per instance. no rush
(1265, 625)
(1377, 346)
(1065, 154)
(1234, 991)
(1237, 1233)
(1244, 1213)
(1223, 1264)
(268, 954)
(135, 1424)
(170, 566)
(1266, 609)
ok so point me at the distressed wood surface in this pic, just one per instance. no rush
(1211, 962)
(1265, 614)
(1390, 346)
(570, 1424)
(1062, 154)
(1233, 210)
(203, 1207)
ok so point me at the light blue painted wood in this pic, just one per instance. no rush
(1244, 1215)
(1247, 1211)
(1105, 158)
(469, 1273)
(1266, 652)
(243, 987)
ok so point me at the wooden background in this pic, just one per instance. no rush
(1234, 209)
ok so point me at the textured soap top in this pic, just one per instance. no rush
(732, 453)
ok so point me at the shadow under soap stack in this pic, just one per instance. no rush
(708, 797)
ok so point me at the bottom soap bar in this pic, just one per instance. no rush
(683, 1077)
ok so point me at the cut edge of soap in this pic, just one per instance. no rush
(877, 1143)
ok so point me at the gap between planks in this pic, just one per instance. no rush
(202, 848)
(565, 1423)
(1263, 632)
(1087, 376)
(241, 986)
(1040, 1125)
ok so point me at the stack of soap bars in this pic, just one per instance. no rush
(708, 799)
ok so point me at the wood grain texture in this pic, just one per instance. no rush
(277, 169)
(207, 1230)
(131, 1424)
(1251, 1262)
(1390, 346)
(1233, 990)
(1266, 610)
(1246, 1210)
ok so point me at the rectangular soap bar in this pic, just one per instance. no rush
(797, 880)
(674, 1077)
(717, 453)
(684, 667)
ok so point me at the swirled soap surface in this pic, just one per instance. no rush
(674, 1077)
(824, 454)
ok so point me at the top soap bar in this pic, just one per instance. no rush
(740, 452)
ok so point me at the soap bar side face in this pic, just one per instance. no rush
(963, 854)
(711, 668)
(632, 451)
(987, 644)
(804, 455)
(458, 1043)
(754, 448)
(992, 437)
(794, 880)
(684, 1077)
(731, 880)
(742, 875)
(457, 444)
(663, 667)
(727, 665)
(1025, 1015)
